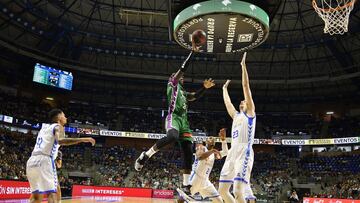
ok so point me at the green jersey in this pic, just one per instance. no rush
(177, 98)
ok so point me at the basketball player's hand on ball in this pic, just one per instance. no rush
(226, 84)
(243, 64)
(209, 83)
(194, 47)
(222, 134)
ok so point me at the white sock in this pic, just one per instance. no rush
(186, 179)
(150, 152)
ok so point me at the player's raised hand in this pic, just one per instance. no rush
(91, 140)
(243, 64)
(222, 134)
(226, 84)
(194, 47)
(209, 83)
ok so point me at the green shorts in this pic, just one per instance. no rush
(181, 124)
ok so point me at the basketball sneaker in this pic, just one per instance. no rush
(183, 196)
(140, 162)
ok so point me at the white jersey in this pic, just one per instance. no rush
(243, 131)
(46, 144)
(203, 168)
(239, 162)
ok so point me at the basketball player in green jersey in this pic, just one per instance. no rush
(177, 125)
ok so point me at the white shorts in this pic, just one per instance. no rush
(238, 166)
(203, 186)
(41, 173)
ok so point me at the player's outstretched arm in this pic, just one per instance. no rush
(60, 136)
(192, 96)
(185, 64)
(201, 154)
(224, 147)
(229, 106)
(246, 88)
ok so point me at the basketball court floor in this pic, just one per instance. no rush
(102, 199)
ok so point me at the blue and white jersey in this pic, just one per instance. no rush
(203, 168)
(243, 131)
(46, 143)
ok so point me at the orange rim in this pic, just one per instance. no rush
(351, 3)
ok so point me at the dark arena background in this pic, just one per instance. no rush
(106, 65)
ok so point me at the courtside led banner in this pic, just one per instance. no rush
(14, 189)
(327, 200)
(164, 194)
(82, 190)
(294, 142)
(346, 140)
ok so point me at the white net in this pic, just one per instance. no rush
(335, 14)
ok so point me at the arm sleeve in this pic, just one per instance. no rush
(185, 64)
(174, 79)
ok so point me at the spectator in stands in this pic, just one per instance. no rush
(294, 197)
(271, 172)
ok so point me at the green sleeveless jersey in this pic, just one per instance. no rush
(176, 96)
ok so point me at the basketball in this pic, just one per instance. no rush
(199, 37)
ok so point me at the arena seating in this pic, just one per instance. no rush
(343, 163)
(114, 167)
(139, 119)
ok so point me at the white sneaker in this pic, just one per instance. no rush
(140, 162)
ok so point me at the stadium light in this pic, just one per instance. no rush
(329, 113)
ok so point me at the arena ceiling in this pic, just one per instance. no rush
(131, 38)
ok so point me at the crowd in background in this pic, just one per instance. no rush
(272, 171)
(113, 166)
(152, 120)
(349, 188)
(14, 151)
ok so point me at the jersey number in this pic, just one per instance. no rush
(39, 141)
(208, 171)
(235, 134)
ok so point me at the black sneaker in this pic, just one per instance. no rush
(140, 162)
(186, 189)
(185, 193)
(183, 197)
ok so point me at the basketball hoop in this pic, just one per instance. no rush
(335, 14)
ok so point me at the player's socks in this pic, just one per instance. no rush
(150, 152)
(186, 179)
(140, 162)
(186, 184)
